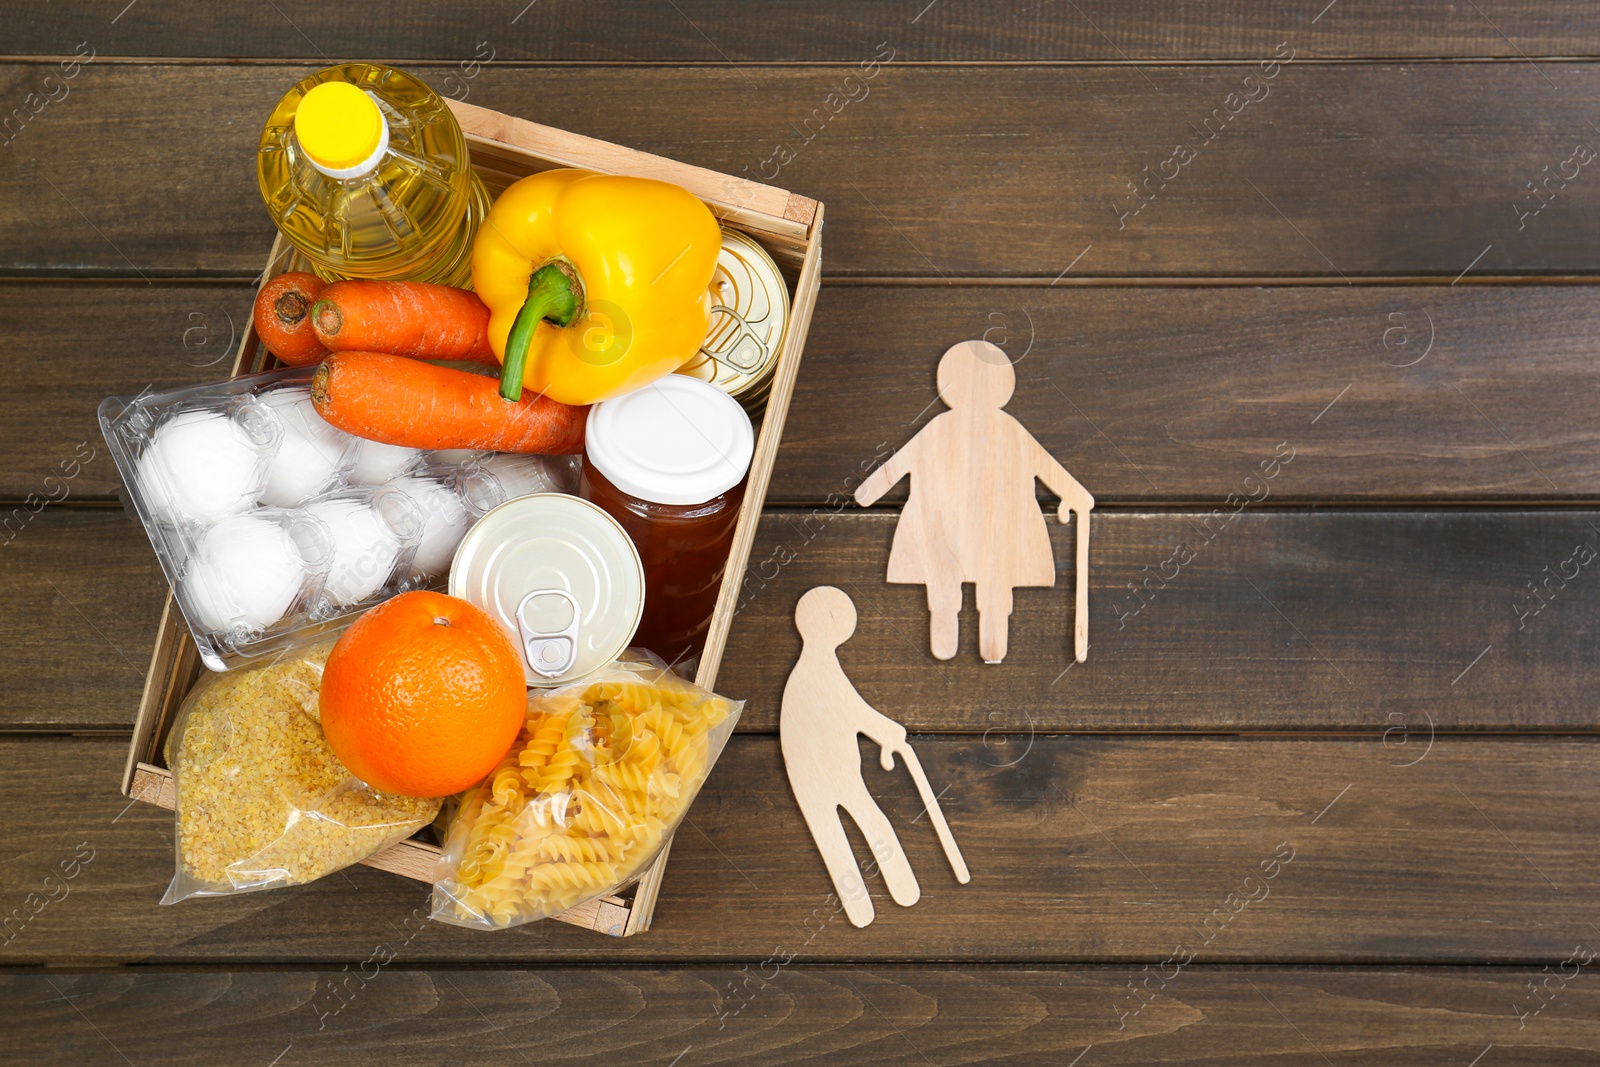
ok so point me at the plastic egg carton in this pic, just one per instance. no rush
(272, 526)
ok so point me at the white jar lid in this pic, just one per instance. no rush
(676, 441)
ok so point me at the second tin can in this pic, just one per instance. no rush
(750, 311)
(561, 576)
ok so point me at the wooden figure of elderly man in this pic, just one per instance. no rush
(972, 515)
(821, 719)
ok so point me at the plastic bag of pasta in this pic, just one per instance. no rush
(262, 800)
(601, 775)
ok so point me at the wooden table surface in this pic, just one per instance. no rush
(1325, 792)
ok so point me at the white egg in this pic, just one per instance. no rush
(364, 549)
(199, 465)
(445, 520)
(246, 573)
(311, 453)
(377, 462)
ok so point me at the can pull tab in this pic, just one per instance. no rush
(550, 653)
(747, 350)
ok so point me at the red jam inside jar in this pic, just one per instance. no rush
(669, 462)
(684, 548)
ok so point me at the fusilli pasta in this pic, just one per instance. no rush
(600, 774)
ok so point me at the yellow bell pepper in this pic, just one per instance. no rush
(596, 284)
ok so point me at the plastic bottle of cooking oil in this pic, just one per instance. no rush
(365, 171)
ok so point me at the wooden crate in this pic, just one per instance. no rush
(504, 149)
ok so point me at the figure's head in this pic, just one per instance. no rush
(825, 616)
(976, 374)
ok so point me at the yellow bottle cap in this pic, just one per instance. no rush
(338, 125)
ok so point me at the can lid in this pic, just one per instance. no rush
(750, 309)
(561, 576)
(678, 440)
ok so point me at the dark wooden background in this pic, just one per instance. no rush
(1348, 672)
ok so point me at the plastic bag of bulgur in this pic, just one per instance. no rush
(262, 801)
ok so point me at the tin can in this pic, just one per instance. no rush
(561, 576)
(750, 311)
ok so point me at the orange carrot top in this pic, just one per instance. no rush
(416, 319)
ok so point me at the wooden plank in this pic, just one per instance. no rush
(1389, 623)
(1392, 394)
(1151, 396)
(1397, 623)
(1089, 850)
(800, 1013)
(502, 140)
(1336, 170)
(84, 594)
(827, 30)
(68, 346)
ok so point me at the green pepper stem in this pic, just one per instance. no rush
(555, 295)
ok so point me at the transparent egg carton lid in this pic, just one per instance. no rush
(271, 526)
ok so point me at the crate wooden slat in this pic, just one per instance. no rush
(786, 224)
(760, 210)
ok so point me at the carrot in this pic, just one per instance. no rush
(401, 401)
(416, 319)
(283, 321)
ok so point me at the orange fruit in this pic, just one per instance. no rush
(423, 695)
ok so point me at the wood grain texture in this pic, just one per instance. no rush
(716, 31)
(934, 1014)
(1153, 396)
(1082, 850)
(1392, 394)
(998, 145)
(1336, 170)
(1284, 620)
(1279, 620)
(69, 346)
(85, 594)
(516, 146)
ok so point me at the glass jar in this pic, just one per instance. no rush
(669, 462)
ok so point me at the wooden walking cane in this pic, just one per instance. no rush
(1080, 616)
(930, 803)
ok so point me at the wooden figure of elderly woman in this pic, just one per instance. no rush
(972, 515)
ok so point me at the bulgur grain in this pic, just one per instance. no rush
(262, 800)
